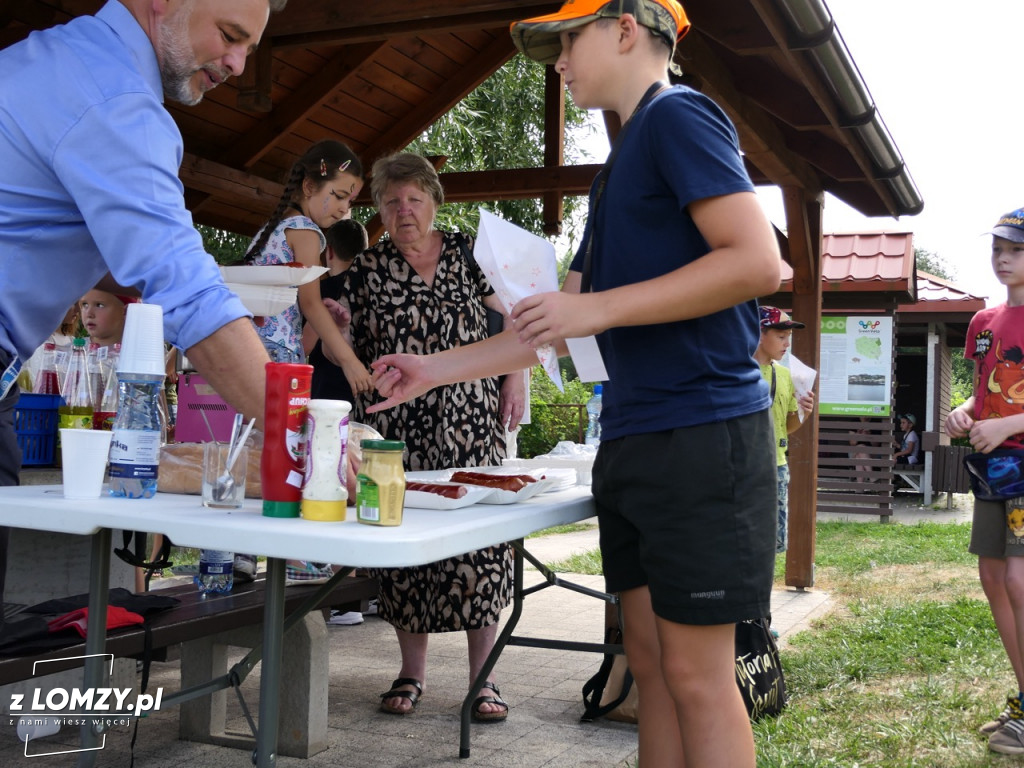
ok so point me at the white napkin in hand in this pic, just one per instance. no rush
(518, 264)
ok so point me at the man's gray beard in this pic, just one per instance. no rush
(176, 62)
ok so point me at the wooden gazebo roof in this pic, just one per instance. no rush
(376, 74)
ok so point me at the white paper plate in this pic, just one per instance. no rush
(265, 300)
(507, 497)
(497, 496)
(424, 500)
(277, 274)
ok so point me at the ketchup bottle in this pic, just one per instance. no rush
(283, 464)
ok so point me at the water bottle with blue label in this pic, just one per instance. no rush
(215, 572)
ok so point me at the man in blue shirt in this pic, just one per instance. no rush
(89, 188)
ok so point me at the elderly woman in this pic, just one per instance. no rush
(420, 291)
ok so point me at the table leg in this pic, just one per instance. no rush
(96, 665)
(270, 672)
(499, 646)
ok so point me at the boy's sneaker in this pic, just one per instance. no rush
(244, 568)
(307, 573)
(347, 619)
(1012, 705)
(1009, 739)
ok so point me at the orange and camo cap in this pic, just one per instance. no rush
(538, 38)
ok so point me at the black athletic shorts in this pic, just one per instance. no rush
(691, 514)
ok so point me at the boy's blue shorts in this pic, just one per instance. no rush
(691, 514)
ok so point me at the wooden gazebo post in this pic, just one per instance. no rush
(803, 225)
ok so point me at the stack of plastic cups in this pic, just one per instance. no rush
(135, 449)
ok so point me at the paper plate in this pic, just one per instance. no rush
(497, 496)
(424, 500)
(265, 300)
(276, 274)
(508, 497)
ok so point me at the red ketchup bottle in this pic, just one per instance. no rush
(283, 464)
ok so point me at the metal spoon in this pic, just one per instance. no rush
(224, 485)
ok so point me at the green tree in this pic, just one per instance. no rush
(554, 415)
(500, 125)
(962, 385)
(226, 247)
(933, 264)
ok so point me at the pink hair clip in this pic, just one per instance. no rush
(323, 167)
(343, 166)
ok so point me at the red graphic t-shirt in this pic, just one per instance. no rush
(995, 341)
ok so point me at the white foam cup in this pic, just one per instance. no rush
(142, 343)
(84, 455)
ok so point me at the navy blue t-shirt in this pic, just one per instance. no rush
(678, 149)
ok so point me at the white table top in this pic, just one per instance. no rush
(424, 536)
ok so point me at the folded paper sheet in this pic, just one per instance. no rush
(518, 264)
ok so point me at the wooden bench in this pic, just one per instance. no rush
(194, 617)
(913, 474)
(204, 627)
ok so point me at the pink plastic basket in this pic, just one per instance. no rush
(196, 397)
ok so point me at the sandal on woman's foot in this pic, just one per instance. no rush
(489, 717)
(397, 693)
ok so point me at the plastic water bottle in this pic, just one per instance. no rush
(135, 446)
(215, 572)
(594, 417)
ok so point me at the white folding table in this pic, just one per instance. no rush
(425, 536)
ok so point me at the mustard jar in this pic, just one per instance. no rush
(380, 483)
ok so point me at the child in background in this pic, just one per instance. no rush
(676, 249)
(318, 193)
(991, 419)
(909, 444)
(345, 240)
(788, 410)
(103, 316)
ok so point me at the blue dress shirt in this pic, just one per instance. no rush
(89, 184)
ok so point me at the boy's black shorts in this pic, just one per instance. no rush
(691, 513)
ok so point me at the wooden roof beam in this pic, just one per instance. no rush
(327, 22)
(409, 127)
(811, 80)
(760, 138)
(310, 96)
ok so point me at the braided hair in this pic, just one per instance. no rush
(321, 163)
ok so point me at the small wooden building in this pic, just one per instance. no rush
(873, 274)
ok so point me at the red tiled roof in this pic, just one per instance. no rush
(932, 290)
(866, 259)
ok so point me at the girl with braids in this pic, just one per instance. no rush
(318, 193)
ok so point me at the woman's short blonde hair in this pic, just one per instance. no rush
(401, 168)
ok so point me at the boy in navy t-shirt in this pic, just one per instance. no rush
(675, 250)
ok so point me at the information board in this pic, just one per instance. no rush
(856, 365)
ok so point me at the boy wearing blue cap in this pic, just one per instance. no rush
(994, 418)
(675, 251)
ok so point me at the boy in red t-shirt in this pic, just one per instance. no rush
(993, 417)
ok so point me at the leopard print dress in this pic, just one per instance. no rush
(394, 310)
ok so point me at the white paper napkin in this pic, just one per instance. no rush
(518, 264)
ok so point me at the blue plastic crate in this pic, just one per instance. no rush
(35, 424)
